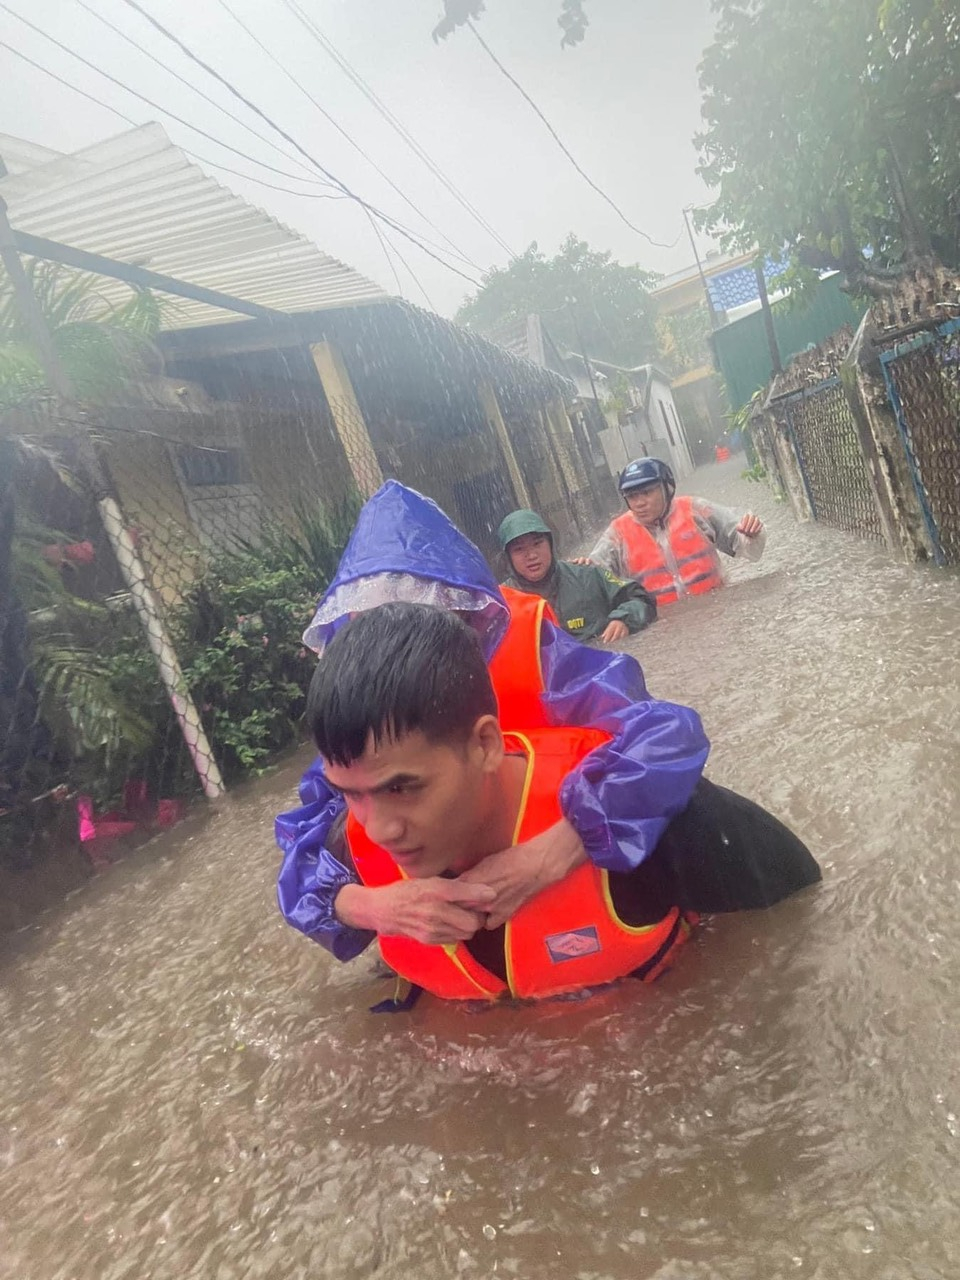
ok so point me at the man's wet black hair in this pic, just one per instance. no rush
(394, 670)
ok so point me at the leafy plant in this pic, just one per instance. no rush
(71, 652)
(100, 342)
(105, 713)
(247, 669)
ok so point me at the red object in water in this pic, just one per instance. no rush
(79, 552)
(59, 553)
(169, 812)
(135, 797)
(107, 827)
(98, 832)
(722, 453)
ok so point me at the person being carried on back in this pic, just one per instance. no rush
(590, 603)
(669, 544)
(404, 715)
(404, 548)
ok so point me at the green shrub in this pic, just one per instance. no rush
(237, 634)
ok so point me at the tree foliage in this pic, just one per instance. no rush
(573, 20)
(831, 129)
(581, 294)
(683, 339)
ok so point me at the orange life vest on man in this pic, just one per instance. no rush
(515, 667)
(566, 938)
(696, 562)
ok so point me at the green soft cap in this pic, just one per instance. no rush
(517, 523)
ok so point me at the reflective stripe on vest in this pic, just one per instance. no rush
(697, 561)
(568, 937)
(515, 667)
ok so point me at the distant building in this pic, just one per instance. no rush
(642, 419)
(685, 320)
(628, 413)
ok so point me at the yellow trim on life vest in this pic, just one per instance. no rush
(451, 949)
(521, 814)
(633, 929)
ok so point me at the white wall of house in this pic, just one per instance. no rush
(658, 433)
(621, 444)
(668, 438)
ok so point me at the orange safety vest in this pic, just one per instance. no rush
(515, 667)
(568, 937)
(696, 557)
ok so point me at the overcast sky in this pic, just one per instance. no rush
(625, 102)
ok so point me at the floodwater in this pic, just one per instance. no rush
(188, 1089)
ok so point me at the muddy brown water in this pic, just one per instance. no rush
(188, 1089)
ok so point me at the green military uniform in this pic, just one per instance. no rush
(584, 597)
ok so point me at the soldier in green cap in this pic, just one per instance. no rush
(589, 602)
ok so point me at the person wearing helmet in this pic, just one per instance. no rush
(590, 603)
(668, 544)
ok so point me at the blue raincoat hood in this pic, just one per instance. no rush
(401, 536)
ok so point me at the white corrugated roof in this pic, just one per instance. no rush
(18, 155)
(138, 199)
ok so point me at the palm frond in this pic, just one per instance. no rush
(101, 341)
(79, 702)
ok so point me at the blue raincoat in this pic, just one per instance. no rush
(621, 797)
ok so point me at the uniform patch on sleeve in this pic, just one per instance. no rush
(573, 944)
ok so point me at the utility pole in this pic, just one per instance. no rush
(134, 574)
(703, 279)
(571, 303)
(771, 332)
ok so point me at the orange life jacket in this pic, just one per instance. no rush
(568, 937)
(697, 563)
(515, 667)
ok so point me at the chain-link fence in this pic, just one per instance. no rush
(922, 376)
(161, 563)
(158, 580)
(824, 436)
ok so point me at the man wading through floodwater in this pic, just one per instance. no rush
(590, 603)
(405, 718)
(404, 548)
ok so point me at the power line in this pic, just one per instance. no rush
(411, 273)
(385, 250)
(18, 53)
(274, 186)
(560, 143)
(149, 101)
(378, 213)
(397, 125)
(214, 164)
(340, 129)
(184, 81)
